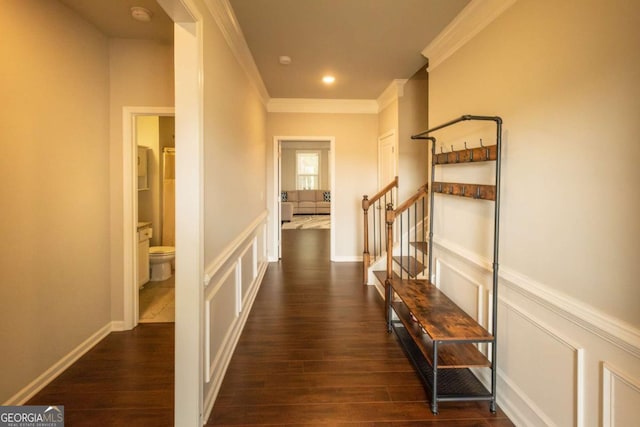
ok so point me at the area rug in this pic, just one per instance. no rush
(300, 222)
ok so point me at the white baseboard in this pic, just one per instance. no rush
(346, 258)
(118, 326)
(59, 367)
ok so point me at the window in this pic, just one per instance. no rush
(307, 170)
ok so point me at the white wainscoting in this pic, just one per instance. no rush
(620, 397)
(231, 285)
(559, 363)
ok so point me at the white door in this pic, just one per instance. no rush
(387, 171)
(387, 158)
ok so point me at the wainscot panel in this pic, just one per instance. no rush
(231, 283)
(559, 361)
(620, 397)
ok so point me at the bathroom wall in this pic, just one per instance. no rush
(147, 135)
(55, 256)
(156, 133)
(167, 139)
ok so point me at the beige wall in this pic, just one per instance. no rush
(388, 118)
(570, 100)
(564, 77)
(355, 168)
(288, 163)
(413, 164)
(405, 116)
(234, 146)
(55, 289)
(141, 75)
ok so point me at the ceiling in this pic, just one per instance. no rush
(364, 44)
(113, 18)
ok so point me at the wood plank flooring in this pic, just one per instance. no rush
(315, 352)
(125, 380)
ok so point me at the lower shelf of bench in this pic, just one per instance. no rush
(451, 355)
(456, 384)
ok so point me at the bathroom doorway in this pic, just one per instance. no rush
(155, 141)
(142, 205)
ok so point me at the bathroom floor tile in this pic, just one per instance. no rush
(157, 301)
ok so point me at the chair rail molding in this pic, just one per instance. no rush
(613, 330)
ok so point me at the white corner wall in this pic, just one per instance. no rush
(564, 77)
(55, 291)
(221, 213)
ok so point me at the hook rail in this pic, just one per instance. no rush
(478, 154)
(474, 191)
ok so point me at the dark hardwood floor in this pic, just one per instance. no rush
(125, 380)
(314, 352)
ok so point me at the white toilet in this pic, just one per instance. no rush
(160, 260)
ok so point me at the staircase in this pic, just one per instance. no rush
(404, 234)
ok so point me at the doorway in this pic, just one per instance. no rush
(155, 142)
(302, 144)
(130, 225)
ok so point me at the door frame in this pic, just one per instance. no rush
(275, 206)
(130, 207)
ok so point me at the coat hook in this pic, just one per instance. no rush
(481, 143)
(478, 192)
(465, 145)
(462, 191)
(440, 189)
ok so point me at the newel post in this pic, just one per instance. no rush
(389, 219)
(366, 258)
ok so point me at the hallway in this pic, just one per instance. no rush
(315, 352)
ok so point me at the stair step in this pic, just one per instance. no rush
(381, 275)
(422, 246)
(410, 264)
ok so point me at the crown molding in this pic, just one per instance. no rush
(308, 105)
(224, 16)
(465, 26)
(394, 91)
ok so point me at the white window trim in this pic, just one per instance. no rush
(319, 153)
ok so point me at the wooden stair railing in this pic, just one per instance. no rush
(414, 226)
(378, 202)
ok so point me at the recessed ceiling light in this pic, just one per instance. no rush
(141, 14)
(285, 60)
(328, 79)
